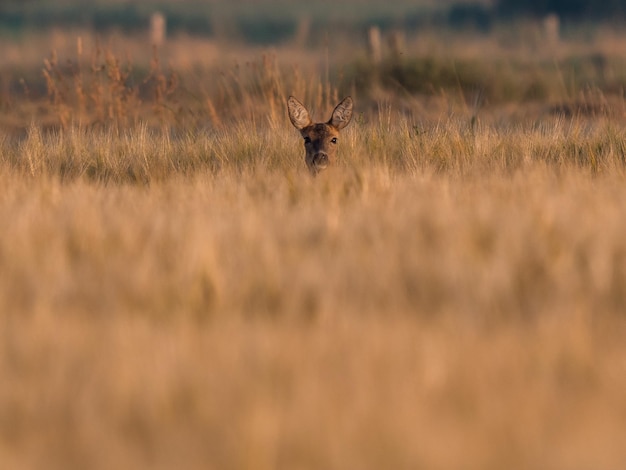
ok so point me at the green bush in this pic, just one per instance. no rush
(574, 9)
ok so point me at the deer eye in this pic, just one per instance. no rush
(334, 140)
(307, 140)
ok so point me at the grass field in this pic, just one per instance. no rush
(177, 292)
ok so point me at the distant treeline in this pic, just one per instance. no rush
(265, 22)
(269, 23)
(568, 9)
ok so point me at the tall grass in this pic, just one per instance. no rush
(450, 295)
(397, 144)
(369, 317)
(192, 83)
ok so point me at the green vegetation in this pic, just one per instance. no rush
(275, 21)
(576, 9)
(268, 21)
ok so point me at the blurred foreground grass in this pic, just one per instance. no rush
(451, 298)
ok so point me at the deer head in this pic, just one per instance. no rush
(321, 138)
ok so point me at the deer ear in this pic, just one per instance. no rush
(342, 114)
(298, 114)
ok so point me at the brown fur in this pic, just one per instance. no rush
(320, 139)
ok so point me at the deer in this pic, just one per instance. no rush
(320, 138)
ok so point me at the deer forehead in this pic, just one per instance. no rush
(320, 131)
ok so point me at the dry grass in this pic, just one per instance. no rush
(64, 79)
(451, 295)
(445, 300)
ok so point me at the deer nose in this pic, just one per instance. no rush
(321, 159)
